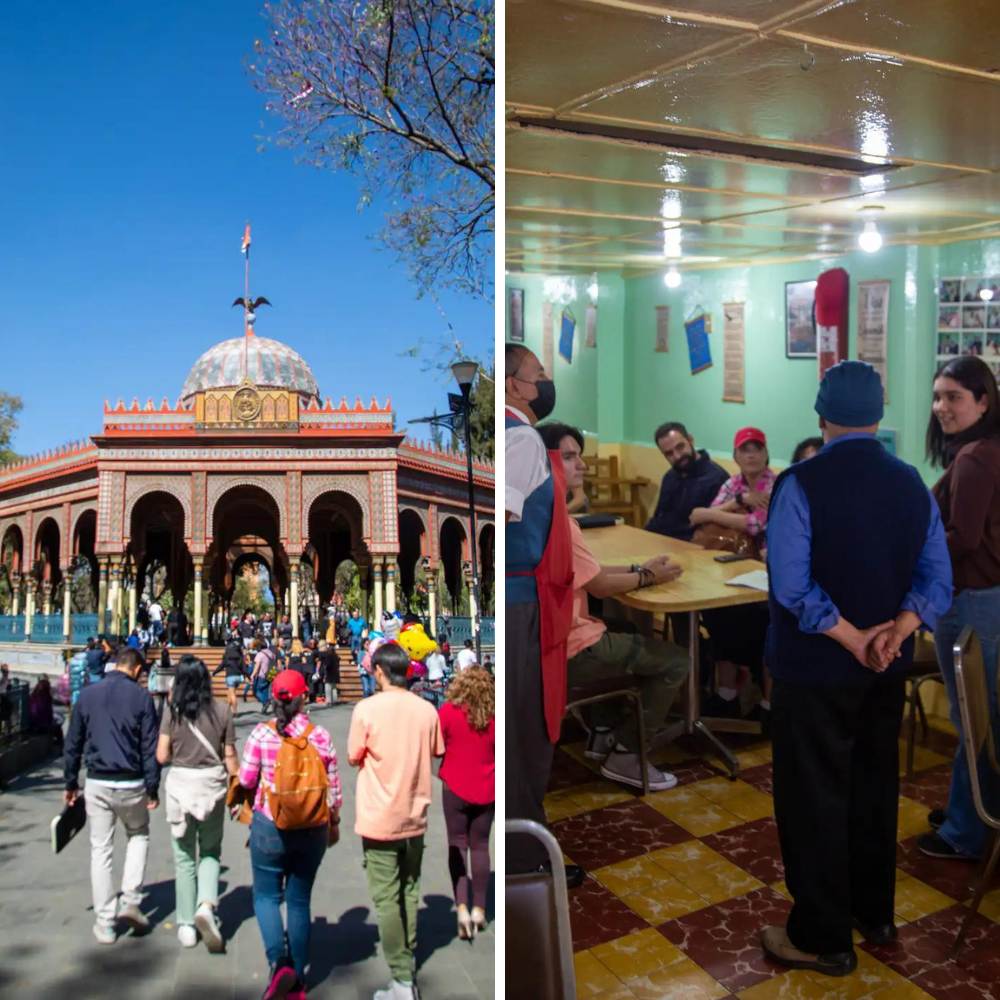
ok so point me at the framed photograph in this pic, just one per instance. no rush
(800, 319)
(948, 345)
(515, 306)
(949, 318)
(951, 291)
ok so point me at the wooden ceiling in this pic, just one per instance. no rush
(622, 115)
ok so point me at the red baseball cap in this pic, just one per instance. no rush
(287, 685)
(745, 434)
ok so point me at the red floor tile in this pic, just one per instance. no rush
(760, 777)
(567, 772)
(753, 847)
(616, 833)
(724, 939)
(597, 915)
(953, 878)
(929, 787)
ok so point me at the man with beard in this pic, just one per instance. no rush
(539, 591)
(693, 480)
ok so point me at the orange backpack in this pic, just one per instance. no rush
(298, 799)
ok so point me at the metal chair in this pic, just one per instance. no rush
(539, 943)
(613, 689)
(977, 734)
(923, 669)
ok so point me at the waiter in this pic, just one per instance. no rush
(539, 592)
(857, 560)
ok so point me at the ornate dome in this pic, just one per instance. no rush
(268, 363)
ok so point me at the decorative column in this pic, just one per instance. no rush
(377, 579)
(432, 592)
(198, 606)
(16, 584)
(102, 599)
(113, 592)
(29, 605)
(67, 608)
(46, 597)
(133, 605)
(363, 572)
(390, 583)
(467, 573)
(293, 602)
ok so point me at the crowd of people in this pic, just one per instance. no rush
(860, 554)
(286, 783)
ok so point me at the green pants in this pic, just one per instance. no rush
(393, 868)
(196, 860)
(659, 669)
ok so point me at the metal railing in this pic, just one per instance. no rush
(15, 719)
(460, 628)
(47, 628)
(11, 628)
(82, 627)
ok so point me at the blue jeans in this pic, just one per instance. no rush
(367, 684)
(963, 829)
(284, 866)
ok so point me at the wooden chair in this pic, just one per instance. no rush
(611, 493)
(976, 713)
(539, 943)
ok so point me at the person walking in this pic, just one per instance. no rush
(328, 666)
(357, 627)
(292, 825)
(263, 669)
(198, 739)
(467, 772)
(964, 436)
(393, 738)
(113, 731)
(857, 560)
(232, 664)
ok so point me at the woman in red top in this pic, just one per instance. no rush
(467, 725)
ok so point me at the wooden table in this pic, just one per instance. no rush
(700, 587)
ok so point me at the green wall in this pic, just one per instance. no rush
(624, 389)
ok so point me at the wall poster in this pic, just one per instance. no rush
(697, 329)
(733, 343)
(548, 353)
(566, 332)
(873, 328)
(968, 320)
(800, 319)
(591, 327)
(662, 329)
(515, 307)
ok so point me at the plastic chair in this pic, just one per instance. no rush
(977, 735)
(539, 943)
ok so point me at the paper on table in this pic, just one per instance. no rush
(755, 580)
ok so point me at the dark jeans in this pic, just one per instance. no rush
(468, 827)
(836, 790)
(284, 866)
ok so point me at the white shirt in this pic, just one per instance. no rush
(436, 664)
(527, 465)
(155, 612)
(466, 659)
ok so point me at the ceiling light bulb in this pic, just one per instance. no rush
(870, 239)
(593, 290)
(672, 279)
(986, 294)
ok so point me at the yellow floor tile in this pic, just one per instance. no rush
(871, 979)
(583, 798)
(705, 871)
(594, 980)
(912, 818)
(990, 906)
(755, 756)
(639, 954)
(649, 890)
(737, 797)
(922, 758)
(683, 981)
(916, 899)
(694, 813)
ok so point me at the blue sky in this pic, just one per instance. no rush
(129, 165)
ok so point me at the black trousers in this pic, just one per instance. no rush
(529, 752)
(836, 795)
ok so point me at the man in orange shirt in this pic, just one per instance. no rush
(393, 738)
(659, 668)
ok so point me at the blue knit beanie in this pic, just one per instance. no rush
(850, 395)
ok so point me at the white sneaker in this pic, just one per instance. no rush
(397, 991)
(208, 926)
(624, 768)
(105, 934)
(187, 935)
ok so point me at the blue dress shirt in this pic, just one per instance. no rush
(789, 559)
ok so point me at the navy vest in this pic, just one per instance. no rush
(870, 514)
(526, 539)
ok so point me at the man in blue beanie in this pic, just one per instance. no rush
(857, 561)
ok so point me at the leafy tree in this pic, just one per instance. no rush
(10, 406)
(399, 92)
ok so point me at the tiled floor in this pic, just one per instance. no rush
(680, 883)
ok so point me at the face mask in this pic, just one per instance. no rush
(545, 402)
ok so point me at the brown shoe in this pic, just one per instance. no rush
(776, 945)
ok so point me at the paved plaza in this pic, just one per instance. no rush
(46, 916)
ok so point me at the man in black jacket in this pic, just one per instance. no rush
(693, 480)
(113, 731)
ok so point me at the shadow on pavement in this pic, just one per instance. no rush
(351, 939)
(160, 901)
(436, 927)
(234, 908)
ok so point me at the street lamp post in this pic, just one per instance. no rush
(465, 375)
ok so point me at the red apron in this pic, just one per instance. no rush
(554, 580)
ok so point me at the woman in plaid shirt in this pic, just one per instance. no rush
(285, 862)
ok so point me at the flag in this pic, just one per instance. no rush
(245, 245)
